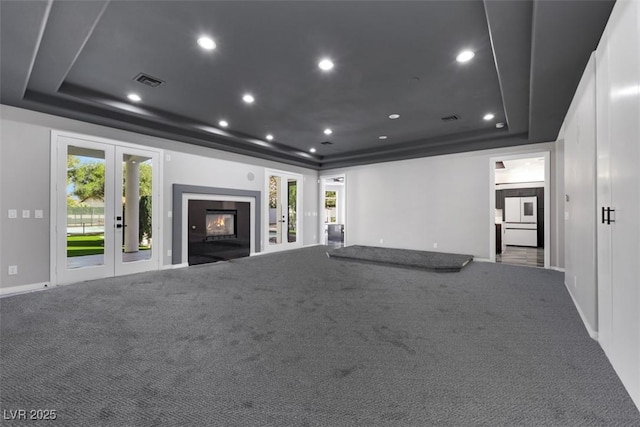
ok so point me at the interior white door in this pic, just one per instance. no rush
(603, 200)
(96, 234)
(618, 75)
(284, 192)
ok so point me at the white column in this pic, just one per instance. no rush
(132, 206)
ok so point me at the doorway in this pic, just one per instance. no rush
(105, 203)
(284, 196)
(333, 202)
(519, 229)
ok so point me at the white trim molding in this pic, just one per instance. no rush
(23, 289)
(593, 334)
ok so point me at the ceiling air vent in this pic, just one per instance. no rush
(450, 118)
(146, 79)
(326, 143)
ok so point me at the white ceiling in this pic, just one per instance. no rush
(521, 170)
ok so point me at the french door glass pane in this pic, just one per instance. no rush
(292, 208)
(135, 214)
(85, 207)
(275, 210)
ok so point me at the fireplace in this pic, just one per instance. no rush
(218, 230)
(221, 224)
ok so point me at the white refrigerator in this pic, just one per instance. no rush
(521, 221)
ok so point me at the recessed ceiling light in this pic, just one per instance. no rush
(328, 131)
(269, 137)
(394, 116)
(325, 64)
(134, 97)
(223, 123)
(500, 125)
(382, 137)
(312, 150)
(488, 116)
(206, 43)
(465, 56)
(248, 98)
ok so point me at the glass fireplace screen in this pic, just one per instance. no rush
(221, 224)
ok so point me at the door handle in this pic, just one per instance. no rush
(609, 220)
(606, 219)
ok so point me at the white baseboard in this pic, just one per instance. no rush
(476, 259)
(561, 270)
(173, 266)
(23, 289)
(593, 334)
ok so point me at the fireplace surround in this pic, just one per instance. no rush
(183, 194)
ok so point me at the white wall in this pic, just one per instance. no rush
(580, 188)
(25, 146)
(415, 203)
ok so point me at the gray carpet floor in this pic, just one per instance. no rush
(436, 261)
(297, 339)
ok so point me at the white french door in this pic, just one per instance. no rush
(284, 195)
(106, 202)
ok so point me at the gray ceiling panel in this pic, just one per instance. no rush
(510, 26)
(20, 33)
(562, 43)
(390, 56)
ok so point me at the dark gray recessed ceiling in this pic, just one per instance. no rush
(80, 59)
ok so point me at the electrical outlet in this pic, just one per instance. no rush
(167, 157)
(381, 241)
(169, 214)
(13, 270)
(38, 214)
(435, 245)
(13, 213)
(169, 252)
(26, 213)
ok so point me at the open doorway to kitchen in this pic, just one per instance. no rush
(333, 210)
(520, 210)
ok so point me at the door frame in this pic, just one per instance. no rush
(342, 200)
(266, 247)
(547, 200)
(53, 200)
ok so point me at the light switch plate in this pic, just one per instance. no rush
(38, 213)
(26, 213)
(13, 213)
